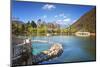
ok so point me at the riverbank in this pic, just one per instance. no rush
(21, 53)
(51, 34)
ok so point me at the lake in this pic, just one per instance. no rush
(75, 48)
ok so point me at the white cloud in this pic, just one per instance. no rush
(74, 20)
(67, 19)
(45, 16)
(56, 16)
(59, 20)
(48, 7)
(63, 21)
(62, 15)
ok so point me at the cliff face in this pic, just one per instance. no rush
(86, 23)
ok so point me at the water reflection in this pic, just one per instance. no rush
(75, 48)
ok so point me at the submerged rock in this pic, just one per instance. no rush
(55, 51)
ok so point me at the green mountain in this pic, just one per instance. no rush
(86, 23)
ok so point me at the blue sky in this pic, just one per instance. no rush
(49, 12)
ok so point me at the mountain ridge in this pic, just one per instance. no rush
(87, 22)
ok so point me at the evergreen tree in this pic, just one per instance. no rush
(33, 24)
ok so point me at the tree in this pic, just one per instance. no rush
(14, 28)
(33, 24)
(28, 23)
(30, 29)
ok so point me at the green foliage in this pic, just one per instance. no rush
(33, 24)
(23, 29)
(31, 28)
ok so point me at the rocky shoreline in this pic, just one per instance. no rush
(22, 54)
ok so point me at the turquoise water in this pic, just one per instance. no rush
(38, 47)
(75, 48)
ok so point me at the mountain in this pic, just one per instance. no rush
(17, 22)
(86, 23)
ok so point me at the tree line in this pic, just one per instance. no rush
(39, 28)
(19, 28)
